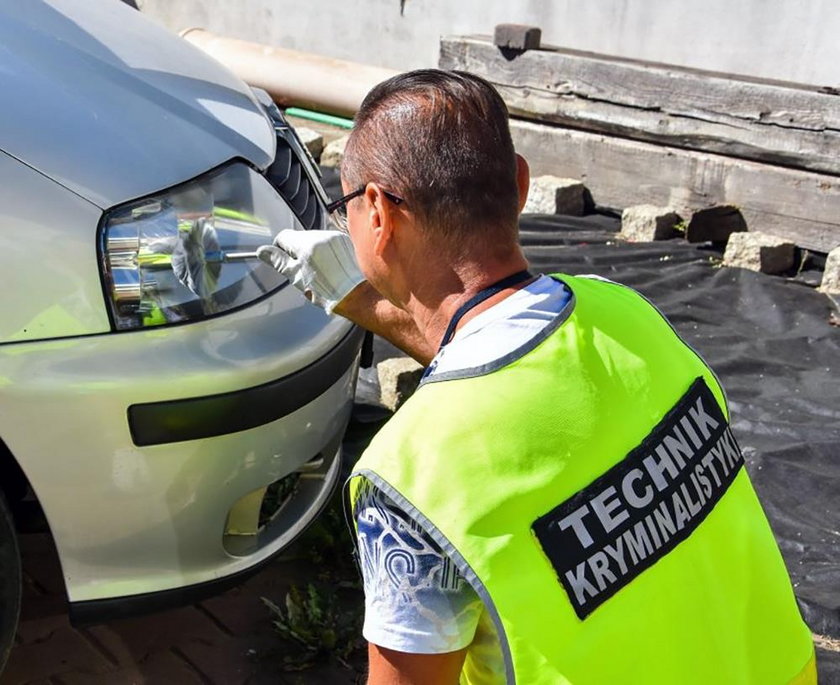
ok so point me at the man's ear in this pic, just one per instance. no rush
(523, 180)
(381, 219)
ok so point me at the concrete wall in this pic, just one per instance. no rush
(793, 40)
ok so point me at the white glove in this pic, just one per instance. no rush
(321, 264)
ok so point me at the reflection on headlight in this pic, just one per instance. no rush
(190, 252)
(195, 239)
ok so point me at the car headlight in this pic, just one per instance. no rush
(188, 253)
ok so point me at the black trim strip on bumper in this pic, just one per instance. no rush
(156, 423)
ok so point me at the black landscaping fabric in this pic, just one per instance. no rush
(772, 342)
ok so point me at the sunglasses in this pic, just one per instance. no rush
(338, 209)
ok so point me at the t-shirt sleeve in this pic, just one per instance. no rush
(416, 601)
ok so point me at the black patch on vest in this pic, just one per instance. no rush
(604, 536)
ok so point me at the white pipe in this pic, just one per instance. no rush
(292, 77)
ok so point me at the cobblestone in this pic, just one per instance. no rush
(225, 640)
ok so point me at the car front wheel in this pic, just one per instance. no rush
(9, 582)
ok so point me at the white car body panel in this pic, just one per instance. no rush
(114, 107)
(48, 257)
(102, 107)
(129, 519)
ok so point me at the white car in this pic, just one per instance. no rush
(173, 404)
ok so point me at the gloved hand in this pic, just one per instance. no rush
(321, 264)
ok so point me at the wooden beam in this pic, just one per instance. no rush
(779, 123)
(800, 205)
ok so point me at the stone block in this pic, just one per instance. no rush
(517, 36)
(398, 379)
(831, 276)
(555, 195)
(312, 141)
(645, 223)
(715, 224)
(762, 252)
(334, 152)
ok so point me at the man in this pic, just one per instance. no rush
(561, 500)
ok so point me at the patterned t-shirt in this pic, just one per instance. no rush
(416, 601)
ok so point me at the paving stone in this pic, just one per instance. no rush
(40, 562)
(517, 36)
(241, 611)
(146, 635)
(334, 152)
(40, 617)
(714, 224)
(162, 667)
(762, 252)
(109, 642)
(312, 140)
(64, 650)
(228, 664)
(335, 675)
(398, 379)
(555, 195)
(831, 276)
(226, 639)
(646, 223)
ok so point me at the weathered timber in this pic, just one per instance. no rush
(800, 205)
(779, 123)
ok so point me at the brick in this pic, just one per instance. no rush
(555, 195)
(312, 140)
(762, 252)
(136, 638)
(63, 651)
(831, 276)
(715, 224)
(239, 612)
(398, 379)
(40, 617)
(161, 667)
(229, 662)
(517, 36)
(40, 563)
(334, 152)
(646, 223)
(226, 639)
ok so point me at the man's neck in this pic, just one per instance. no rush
(434, 303)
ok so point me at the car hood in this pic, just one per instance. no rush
(113, 107)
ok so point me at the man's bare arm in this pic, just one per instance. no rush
(388, 667)
(367, 308)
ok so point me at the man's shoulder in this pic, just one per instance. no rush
(494, 337)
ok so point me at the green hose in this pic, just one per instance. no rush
(320, 117)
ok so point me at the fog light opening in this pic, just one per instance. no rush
(280, 511)
(276, 496)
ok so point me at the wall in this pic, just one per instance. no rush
(793, 40)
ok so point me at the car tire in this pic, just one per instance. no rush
(10, 582)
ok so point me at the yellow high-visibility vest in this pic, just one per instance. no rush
(591, 491)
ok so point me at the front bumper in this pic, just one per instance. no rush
(242, 400)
